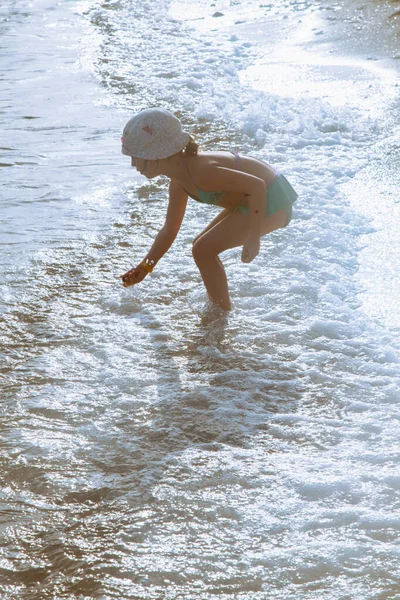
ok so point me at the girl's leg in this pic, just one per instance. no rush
(228, 233)
(222, 215)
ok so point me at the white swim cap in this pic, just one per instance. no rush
(153, 134)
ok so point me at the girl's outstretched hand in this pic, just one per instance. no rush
(251, 248)
(135, 275)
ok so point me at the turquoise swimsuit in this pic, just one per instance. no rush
(280, 194)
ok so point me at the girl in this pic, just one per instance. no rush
(254, 198)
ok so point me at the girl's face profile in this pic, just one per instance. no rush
(138, 163)
(148, 168)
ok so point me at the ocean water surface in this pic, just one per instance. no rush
(152, 448)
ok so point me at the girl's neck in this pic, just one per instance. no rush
(175, 167)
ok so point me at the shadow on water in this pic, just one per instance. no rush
(124, 464)
(204, 394)
(209, 393)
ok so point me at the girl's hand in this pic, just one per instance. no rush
(135, 275)
(251, 248)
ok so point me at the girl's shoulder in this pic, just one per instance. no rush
(212, 159)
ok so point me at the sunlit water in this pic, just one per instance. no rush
(152, 448)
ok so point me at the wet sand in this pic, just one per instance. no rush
(370, 28)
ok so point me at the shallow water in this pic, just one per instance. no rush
(151, 447)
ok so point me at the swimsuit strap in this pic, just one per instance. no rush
(237, 157)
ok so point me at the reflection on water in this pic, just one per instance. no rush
(153, 446)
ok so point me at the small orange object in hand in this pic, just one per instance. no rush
(137, 274)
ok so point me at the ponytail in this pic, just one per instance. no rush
(191, 148)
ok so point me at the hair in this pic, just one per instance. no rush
(191, 147)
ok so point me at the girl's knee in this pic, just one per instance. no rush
(201, 251)
(197, 249)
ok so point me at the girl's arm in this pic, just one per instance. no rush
(165, 237)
